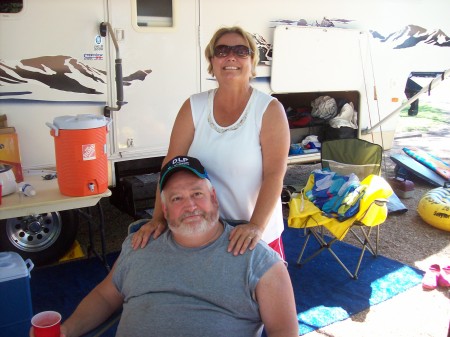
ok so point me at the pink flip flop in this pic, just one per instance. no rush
(430, 279)
(444, 277)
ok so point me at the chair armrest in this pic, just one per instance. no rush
(110, 323)
(381, 202)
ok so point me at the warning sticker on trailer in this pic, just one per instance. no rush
(89, 152)
(94, 56)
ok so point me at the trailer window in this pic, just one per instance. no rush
(10, 6)
(154, 13)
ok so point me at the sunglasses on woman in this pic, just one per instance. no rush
(239, 50)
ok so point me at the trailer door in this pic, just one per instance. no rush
(159, 50)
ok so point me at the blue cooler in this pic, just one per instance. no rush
(15, 296)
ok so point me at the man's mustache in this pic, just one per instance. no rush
(188, 214)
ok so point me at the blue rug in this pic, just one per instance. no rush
(325, 293)
(323, 290)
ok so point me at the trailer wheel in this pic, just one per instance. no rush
(43, 238)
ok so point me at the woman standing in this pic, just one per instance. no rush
(241, 135)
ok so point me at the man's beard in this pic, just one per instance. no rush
(207, 221)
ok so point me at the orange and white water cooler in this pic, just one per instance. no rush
(81, 154)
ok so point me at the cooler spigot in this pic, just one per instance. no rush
(91, 187)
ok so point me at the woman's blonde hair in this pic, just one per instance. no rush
(209, 50)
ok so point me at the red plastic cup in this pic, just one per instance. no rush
(46, 324)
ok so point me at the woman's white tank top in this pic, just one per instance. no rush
(233, 159)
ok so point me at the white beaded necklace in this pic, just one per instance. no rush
(234, 126)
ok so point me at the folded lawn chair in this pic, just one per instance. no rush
(358, 202)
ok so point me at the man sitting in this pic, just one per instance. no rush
(185, 283)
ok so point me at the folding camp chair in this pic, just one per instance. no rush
(345, 156)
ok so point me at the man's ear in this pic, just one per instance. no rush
(164, 209)
(214, 196)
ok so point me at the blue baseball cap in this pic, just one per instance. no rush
(179, 163)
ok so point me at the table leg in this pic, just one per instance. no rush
(86, 213)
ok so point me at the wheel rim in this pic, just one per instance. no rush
(34, 233)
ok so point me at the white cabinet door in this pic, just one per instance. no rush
(315, 59)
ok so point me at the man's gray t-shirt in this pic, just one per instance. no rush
(170, 290)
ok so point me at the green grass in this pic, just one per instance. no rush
(427, 118)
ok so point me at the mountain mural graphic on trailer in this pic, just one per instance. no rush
(65, 79)
(407, 37)
(325, 22)
(411, 36)
(57, 74)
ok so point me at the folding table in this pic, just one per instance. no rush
(49, 199)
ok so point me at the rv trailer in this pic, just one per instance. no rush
(136, 61)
